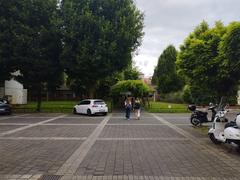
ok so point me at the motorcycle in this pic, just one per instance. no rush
(223, 131)
(199, 117)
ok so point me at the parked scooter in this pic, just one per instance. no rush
(199, 117)
(223, 131)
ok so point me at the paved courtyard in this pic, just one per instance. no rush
(63, 146)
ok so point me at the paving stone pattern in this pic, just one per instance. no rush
(122, 120)
(55, 131)
(152, 158)
(174, 119)
(34, 157)
(138, 131)
(77, 120)
(4, 128)
(23, 120)
(157, 147)
(195, 131)
(47, 115)
(132, 115)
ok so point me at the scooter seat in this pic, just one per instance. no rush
(231, 124)
(201, 113)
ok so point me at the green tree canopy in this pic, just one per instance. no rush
(198, 60)
(165, 75)
(137, 88)
(230, 59)
(99, 38)
(31, 42)
(208, 59)
(11, 27)
(131, 73)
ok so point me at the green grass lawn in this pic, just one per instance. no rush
(47, 106)
(50, 106)
(67, 107)
(203, 129)
(164, 107)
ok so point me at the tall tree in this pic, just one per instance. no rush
(99, 38)
(199, 61)
(230, 59)
(104, 86)
(165, 72)
(35, 43)
(131, 73)
(10, 25)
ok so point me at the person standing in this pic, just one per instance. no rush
(137, 108)
(128, 107)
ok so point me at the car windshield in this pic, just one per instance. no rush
(99, 102)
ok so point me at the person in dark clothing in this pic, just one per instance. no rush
(128, 108)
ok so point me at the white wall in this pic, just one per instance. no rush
(16, 91)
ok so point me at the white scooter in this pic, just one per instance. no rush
(223, 131)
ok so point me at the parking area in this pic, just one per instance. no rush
(54, 146)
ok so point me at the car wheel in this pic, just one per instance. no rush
(89, 113)
(74, 111)
(105, 113)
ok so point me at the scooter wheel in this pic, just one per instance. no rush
(195, 121)
(213, 139)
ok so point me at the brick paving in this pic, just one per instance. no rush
(77, 120)
(121, 120)
(55, 131)
(152, 158)
(54, 146)
(34, 157)
(193, 130)
(138, 131)
(29, 120)
(4, 128)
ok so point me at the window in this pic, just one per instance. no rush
(99, 102)
(84, 102)
(87, 102)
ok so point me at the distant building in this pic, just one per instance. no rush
(148, 81)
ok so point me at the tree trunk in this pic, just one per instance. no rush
(91, 92)
(39, 99)
(47, 95)
(148, 102)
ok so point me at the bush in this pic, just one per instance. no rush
(175, 97)
(187, 97)
(137, 88)
(201, 96)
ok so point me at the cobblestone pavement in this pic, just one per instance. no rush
(53, 146)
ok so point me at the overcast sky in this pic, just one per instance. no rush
(170, 22)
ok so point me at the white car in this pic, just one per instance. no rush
(91, 106)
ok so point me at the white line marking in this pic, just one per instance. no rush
(14, 124)
(16, 116)
(143, 139)
(71, 165)
(31, 125)
(43, 138)
(231, 162)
